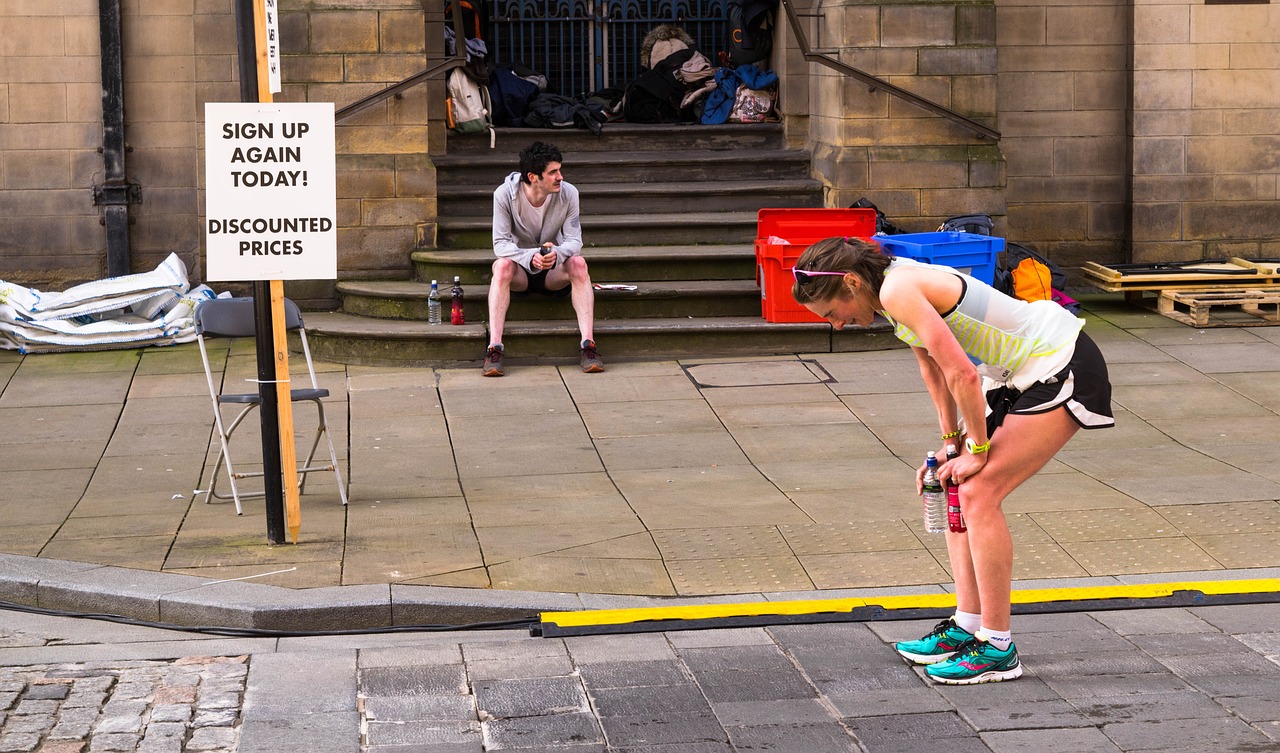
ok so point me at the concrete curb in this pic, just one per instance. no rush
(191, 601)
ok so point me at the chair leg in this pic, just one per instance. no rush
(333, 455)
(224, 455)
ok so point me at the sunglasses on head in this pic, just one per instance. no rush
(805, 277)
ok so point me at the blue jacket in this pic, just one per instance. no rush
(720, 100)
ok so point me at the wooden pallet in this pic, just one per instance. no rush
(1195, 306)
(1234, 272)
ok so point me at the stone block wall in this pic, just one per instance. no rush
(50, 131)
(1206, 130)
(179, 54)
(917, 167)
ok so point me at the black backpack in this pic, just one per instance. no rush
(750, 30)
(978, 224)
(883, 225)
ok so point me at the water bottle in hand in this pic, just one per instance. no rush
(935, 499)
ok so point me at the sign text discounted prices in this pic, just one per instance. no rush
(270, 196)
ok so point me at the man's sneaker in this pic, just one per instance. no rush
(591, 362)
(975, 662)
(940, 644)
(493, 361)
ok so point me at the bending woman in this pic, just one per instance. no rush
(1011, 380)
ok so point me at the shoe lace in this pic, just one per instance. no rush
(495, 355)
(589, 352)
(971, 647)
(941, 628)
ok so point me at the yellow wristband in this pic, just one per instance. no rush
(951, 435)
(975, 448)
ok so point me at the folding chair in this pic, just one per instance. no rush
(233, 317)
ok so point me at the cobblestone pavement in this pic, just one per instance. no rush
(1141, 681)
(186, 704)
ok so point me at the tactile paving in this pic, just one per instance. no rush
(737, 575)
(1225, 517)
(1105, 525)
(1135, 556)
(721, 543)
(874, 569)
(869, 536)
(1237, 550)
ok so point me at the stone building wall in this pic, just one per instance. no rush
(1206, 125)
(179, 54)
(917, 167)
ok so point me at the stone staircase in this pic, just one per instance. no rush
(669, 209)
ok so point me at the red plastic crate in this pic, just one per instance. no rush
(801, 228)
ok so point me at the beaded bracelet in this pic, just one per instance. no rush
(951, 434)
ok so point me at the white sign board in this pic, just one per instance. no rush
(270, 191)
(272, 26)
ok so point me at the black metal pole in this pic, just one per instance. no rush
(246, 45)
(114, 192)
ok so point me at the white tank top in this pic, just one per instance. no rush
(1011, 341)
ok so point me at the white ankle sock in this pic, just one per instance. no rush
(967, 621)
(1001, 639)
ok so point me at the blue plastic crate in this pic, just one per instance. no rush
(967, 252)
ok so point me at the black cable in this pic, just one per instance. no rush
(522, 623)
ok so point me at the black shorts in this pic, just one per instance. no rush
(1083, 388)
(538, 284)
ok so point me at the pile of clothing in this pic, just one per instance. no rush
(674, 80)
(131, 311)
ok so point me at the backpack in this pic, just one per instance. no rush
(978, 224)
(750, 30)
(1026, 275)
(883, 226)
(468, 107)
(475, 18)
(510, 96)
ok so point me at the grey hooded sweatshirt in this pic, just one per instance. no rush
(560, 224)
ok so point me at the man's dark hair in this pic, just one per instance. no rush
(535, 158)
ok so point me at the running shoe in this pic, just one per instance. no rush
(492, 361)
(940, 644)
(589, 358)
(975, 662)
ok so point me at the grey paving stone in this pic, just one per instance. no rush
(1153, 621)
(330, 732)
(215, 718)
(1189, 644)
(1079, 740)
(420, 708)
(880, 702)
(503, 699)
(1027, 689)
(432, 605)
(717, 638)
(1213, 664)
(612, 649)
(755, 713)
(509, 650)
(542, 731)
(423, 733)
(113, 590)
(811, 738)
(287, 685)
(677, 748)
(445, 679)
(119, 741)
(839, 636)
(633, 674)
(907, 733)
(1189, 734)
(51, 691)
(1024, 715)
(1271, 730)
(112, 723)
(1091, 663)
(1240, 617)
(720, 686)
(521, 668)
(38, 723)
(212, 738)
(659, 699)
(34, 707)
(1071, 641)
(19, 742)
(1091, 686)
(1150, 707)
(405, 656)
(661, 729)
(468, 747)
(254, 605)
(19, 575)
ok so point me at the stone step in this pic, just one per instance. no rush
(408, 300)
(607, 263)
(345, 338)
(604, 198)
(623, 136)
(657, 165)
(620, 229)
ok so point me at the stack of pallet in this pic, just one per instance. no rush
(1228, 293)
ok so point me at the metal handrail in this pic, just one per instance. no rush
(458, 60)
(875, 83)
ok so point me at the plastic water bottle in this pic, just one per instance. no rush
(455, 310)
(955, 518)
(433, 304)
(935, 499)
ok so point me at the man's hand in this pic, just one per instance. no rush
(545, 258)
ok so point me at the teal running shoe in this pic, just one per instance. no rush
(939, 645)
(977, 661)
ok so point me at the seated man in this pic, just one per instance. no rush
(538, 240)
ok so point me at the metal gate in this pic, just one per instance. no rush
(582, 46)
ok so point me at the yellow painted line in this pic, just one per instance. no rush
(923, 601)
